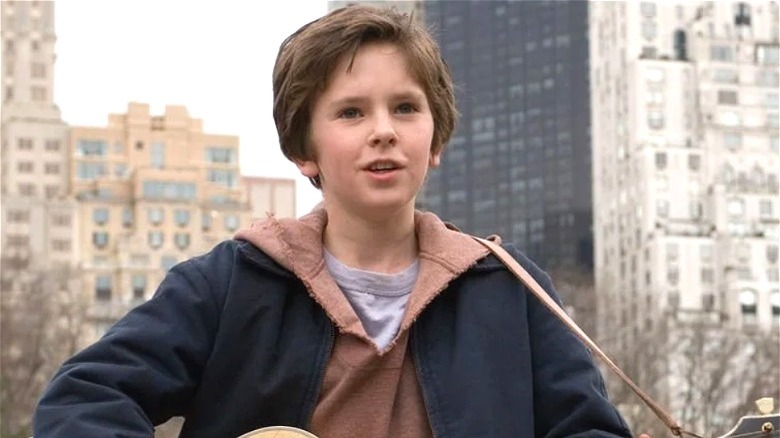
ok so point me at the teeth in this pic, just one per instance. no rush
(383, 166)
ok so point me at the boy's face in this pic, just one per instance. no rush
(371, 130)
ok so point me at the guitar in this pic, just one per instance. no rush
(764, 425)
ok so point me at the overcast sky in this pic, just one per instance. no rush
(214, 57)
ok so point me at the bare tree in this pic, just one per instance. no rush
(41, 322)
(705, 374)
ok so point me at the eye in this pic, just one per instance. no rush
(406, 108)
(349, 113)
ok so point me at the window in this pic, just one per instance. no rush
(662, 207)
(60, 220)
(91, 148)
(655, 119)
(736, 208)
(647, 9)
(174, 191)
(52, 191)
(88, 171)
(771, 253)
(158, 155)
(52, 145)
(771, 100)
(24, 144)
(26, 189)
(767, 78)
(24, 166)
(38, 93)
(155, 239)
(774, 299)
(707, 276)
(767, 54)
(103, 288)
(721, 53)
(18, 240)
(19, 216)
(725, 76)
(774, 144)
(732, 140)
(52, 168)
(100, 216)
(747, 300)
(156, 215)
(727, 97)
(205, 220)
(100, 239)
(694, 162)
(127, 217)
(226, 178)
(138, 284)
(672, 275)
(231, 222)
(38, 70)
(660, 160)
(766, 209)
(120, 170)
(60, 245)
(167, 262)
(648, 29)
(772, 120)
(181, 217)
(772, 274)
(221, 155)
(182, 240)
(695, 209)
(708, 301)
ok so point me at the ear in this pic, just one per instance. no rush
(308, 168)
(434, 160)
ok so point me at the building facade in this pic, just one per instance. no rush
(37, 220)
(518, 165)
(685, 162)
(152, 190)
(274, 196)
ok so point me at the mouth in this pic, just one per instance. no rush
(383, 166)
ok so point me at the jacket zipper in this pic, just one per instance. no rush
(321, 374)
(424, 393)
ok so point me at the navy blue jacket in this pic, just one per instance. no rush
(233, 342)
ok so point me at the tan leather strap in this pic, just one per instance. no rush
(537, 290)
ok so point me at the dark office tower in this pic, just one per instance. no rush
(519, 162)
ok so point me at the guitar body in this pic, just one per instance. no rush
(751, 426)
(278, 432)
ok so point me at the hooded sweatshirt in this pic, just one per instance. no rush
(367, 391)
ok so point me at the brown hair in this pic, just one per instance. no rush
(307, 58)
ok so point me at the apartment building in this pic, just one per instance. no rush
(38, 222)
(153, 190)
(274, 196)
(685, 162)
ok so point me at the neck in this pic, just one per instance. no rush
(387, 245)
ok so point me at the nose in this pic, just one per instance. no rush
(384, 133)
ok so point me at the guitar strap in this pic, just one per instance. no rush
(548, 302)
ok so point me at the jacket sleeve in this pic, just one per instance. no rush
(143, 370)
(569, 395)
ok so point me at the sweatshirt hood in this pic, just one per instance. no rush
(296, 244)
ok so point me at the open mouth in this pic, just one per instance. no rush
(383, 167)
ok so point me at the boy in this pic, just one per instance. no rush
(363, 318)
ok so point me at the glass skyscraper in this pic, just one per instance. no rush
(519, 162)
